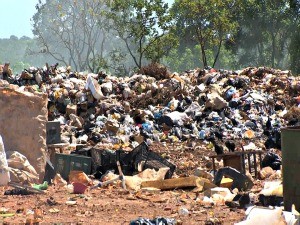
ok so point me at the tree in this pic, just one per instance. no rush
(13, 38)
(72, 32)
(264, 33)
(161, 47)
(207, 23)
(181, 61)
(14, 51)
(294, 47)
(141, 25)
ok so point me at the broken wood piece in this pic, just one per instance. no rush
(203, 184)
(207, 184)
(181, 182)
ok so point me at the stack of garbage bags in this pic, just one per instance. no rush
(219, 106)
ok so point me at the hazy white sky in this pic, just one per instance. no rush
(15, 17)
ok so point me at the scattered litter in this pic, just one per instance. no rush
(101, 131)
(156, 221)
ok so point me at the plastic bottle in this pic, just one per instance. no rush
(4, 172)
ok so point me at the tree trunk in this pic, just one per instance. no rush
(204, 60)
(202, 46)
(261, 59)
(130, 52)
(273, 49)
(218, 52)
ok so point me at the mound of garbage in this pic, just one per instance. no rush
(219, 106)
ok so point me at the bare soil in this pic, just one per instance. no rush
(113, 205)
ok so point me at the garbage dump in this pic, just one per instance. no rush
(220, 105)
(104, 130)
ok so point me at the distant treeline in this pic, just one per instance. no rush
(122, 36)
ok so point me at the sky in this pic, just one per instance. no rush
(15, 17)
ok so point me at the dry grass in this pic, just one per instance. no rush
(293, 113)
(155, 70)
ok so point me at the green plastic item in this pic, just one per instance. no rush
(43, 186)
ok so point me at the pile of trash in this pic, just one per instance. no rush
(227, 111)
(217, 106)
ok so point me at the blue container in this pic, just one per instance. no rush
(202, 134)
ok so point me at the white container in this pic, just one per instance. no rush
(4, 172)
(94, 87)
(267, 216)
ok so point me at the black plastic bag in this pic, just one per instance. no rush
(272, 160)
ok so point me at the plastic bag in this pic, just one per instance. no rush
(157, 221)
(272, 160)
(4, 171)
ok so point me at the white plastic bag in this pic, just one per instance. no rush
(266, 216)
(4, 171)
(94, 87)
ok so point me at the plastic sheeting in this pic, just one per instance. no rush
(156, 221)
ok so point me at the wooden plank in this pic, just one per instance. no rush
(181, 182)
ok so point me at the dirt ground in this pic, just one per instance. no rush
(113, 205)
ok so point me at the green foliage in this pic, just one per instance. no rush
(117, 62)
(294, 47)
(14, 51)
(188, 59)
(295, 51)
(99, 63)
(121, 36)
(206, 23)
(72, 32)
(161, 47)
(19, 66)
(264, 32)
(141, 25)
(181, 61)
